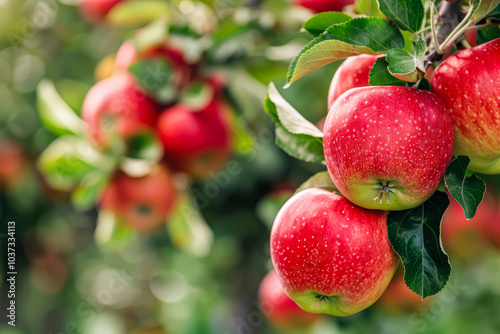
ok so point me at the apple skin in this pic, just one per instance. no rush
(121, 102)
(352, 73)
(279, 310)
(196, 142)
(387, 141)
(398, 298)
(468, 82)
(142, 203)
(331, 256)
(319, 6)
(128, 55)
(95, 11)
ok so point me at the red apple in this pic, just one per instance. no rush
(95, 11)
(197, 142)
(488, 217)
(13, 161)
(466, 239)
(471, 37)
(128, 55)
(398, 298)
(279, 310)
(143, 203)
(117, 106)
(331, 256)
(468, 82)
(387, 147)
(352, 73)
(319, 6)
(48, 273)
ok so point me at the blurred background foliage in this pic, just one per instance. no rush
(69, 283)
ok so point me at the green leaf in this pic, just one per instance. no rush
(367, 7)
(66, 161)
(415, 236)
(483, 8)
(363, 35)
(487, 34)
(380, 75)
(468, 191)
(156, 77)
(321, 180)
(320, 22)
(300, 138)
(407, 14)
(302, 147)
(137, 13)
(112, 233)
(151, 35)
(197, 96)
(145, 146)
(187, 227)
(405, 65)
(288, 117)
(55, 114)
(89, 190)
(495, 12)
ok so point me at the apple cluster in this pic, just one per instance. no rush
(386, 149)
(156, 95)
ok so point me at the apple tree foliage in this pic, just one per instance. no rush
(411, 37)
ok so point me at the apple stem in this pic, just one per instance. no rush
(380, 196)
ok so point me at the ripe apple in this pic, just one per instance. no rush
(117, 107)
(468, 82)
(352, 73)
(387, 147)
(13, 161)
(330, 255)
(488, 217)
(184, 72)
(319, 6)
(279, 310)
(143, 203)
(94, 11)
(398, 298)
(196, 142)
(465, 239)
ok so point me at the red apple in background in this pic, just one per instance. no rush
(468, 83)
(196, 142)
(279, 310)
(387, 147)
(128, 55)
(12, 160)
(471, 37)
(352, 73)
(398, 298)
(48, 273)
(331, 256)
(143, 203)
(465, 239)
(117, 107)
(94, 11)
(319, 6)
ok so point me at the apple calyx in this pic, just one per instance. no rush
(380, 196)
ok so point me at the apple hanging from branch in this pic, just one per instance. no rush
(330, 255)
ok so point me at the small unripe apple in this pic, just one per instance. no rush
(352, 73)
(398, 298)
(330, 255)
(117, 107)
(279, 310)
(95, 11)
(196, 142)
(387, 147)
(128, 55)
(319, 6)
(468, 82)
(142, 203)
